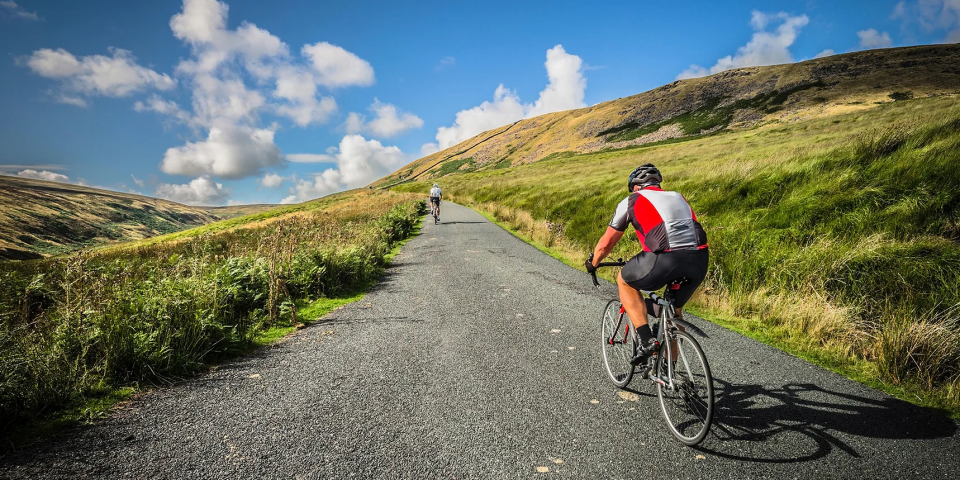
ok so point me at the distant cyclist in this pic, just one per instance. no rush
(674, 247)
(435, 196)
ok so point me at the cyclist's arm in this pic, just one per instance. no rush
(606, 244)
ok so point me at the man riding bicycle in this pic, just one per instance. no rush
(674, 248)
(435, 196)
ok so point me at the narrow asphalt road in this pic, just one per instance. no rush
(477, 356)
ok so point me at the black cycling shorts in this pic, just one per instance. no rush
(653, 271)
(435, 200)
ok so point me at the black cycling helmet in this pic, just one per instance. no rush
(645, 175)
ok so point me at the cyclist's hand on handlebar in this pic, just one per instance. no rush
(589, 265)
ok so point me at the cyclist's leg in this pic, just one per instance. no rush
(637, 274)
(632, 302)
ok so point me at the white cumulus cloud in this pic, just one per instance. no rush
(68, 99)
(567, 85)
(272, 180)
(228, 152)
(826, 53)
(10, 8)
(871, 38)
(505, 108)
(311, 157)
(96, 75)
(44, 175)
(564, 91)
(163, 107)
(429, 148)
(200, 191)
(297, 87)
(359, 162)
(388, 122)
(320, 184)
(202, 24)
(337, 67)
(764, 48)
(237, 75)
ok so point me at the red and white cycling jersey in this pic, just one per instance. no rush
(663, 220)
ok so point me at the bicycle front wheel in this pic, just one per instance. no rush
(618, 344)
(687, 395)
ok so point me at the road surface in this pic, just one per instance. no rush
(477, 356)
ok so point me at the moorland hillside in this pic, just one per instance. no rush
(732, 100)
(39, 218)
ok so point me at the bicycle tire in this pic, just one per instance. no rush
(618, 346)
(687, 400)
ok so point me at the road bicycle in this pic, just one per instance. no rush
(434, 213)
(679, 369)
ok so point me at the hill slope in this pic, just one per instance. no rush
(730, 100)
(39, 218)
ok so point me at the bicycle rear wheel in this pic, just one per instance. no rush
(687, 397)
(619, 342)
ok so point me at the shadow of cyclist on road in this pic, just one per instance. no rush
(804, 422)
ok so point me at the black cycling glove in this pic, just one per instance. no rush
(589, 265)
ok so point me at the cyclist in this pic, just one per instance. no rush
(435, 196)
(674, 247)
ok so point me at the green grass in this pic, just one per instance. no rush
(454, 166)
(557, 156)
(900, 96)
(75, 330)
(838, 237)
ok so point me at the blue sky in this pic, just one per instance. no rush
(246, 101)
